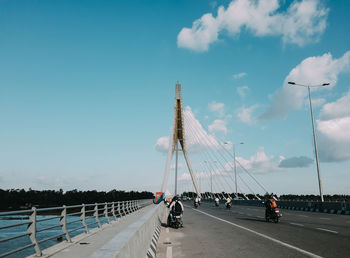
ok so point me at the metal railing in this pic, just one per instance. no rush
(40, 226)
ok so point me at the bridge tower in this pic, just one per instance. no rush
(177, 143)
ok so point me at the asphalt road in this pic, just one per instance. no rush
(211, 231)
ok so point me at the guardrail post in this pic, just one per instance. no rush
(106, 212)
(125, 207)
(83, 218)
(128, 206)
(63, 223)
(32, 231)
(96, 215)
(113, 210)
(132, 206)
(119, 210)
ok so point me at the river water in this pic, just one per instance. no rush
(22, 241)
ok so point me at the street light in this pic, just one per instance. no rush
(234, 163)
(313, 131)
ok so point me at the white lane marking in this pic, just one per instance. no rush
(326, 218)
(328, 230)
(169, 252)
(303, 216)
(167, 230)
(262, 235)
(297, 224)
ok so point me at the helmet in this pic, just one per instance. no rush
(175, 198)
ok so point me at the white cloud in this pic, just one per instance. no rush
(162, 144)
(337, 109)
(217, 108)
(316, 102)
(303, 22)
(245, 114)
(238, 75)
(334, 139)
(218, 126)
(260, 162)
(203, 32)
(312, 71)
(185, 177)
(333, 130)
(242, 91)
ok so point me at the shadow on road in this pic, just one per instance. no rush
(253, 219)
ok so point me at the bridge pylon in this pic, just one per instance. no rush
(177, 142)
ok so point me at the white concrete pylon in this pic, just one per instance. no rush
(178, 135)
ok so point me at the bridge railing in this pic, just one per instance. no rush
(41, 228)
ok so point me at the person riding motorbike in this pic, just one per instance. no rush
(196, 202)
(270, 204)
(228, 202)
(217, 201)
(176, 208)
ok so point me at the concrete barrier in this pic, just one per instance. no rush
(325, 207)
(136, 239)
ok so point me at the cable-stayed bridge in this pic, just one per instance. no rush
(137, 228)
(211, 163)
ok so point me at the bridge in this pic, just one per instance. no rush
(137, 228)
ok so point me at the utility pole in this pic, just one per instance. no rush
(314, 134)
(234, 165)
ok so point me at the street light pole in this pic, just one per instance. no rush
(235, 168)
(234, 164)
(314, 134)
(211, 179)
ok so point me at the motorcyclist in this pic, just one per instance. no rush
(196, 201)
(228, 201)
(217, 201)
(270, 204)
(176, 208)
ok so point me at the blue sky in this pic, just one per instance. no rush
(87, 89)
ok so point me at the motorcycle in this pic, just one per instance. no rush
(176, 222)
(228, 205)
(196, 205)
(273, 215)
(217, 203)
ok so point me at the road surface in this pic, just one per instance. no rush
(211, 231)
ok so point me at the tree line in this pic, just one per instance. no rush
(15, 199)
(290, 197)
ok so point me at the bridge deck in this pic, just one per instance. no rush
(242, 232)
(90, 245)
